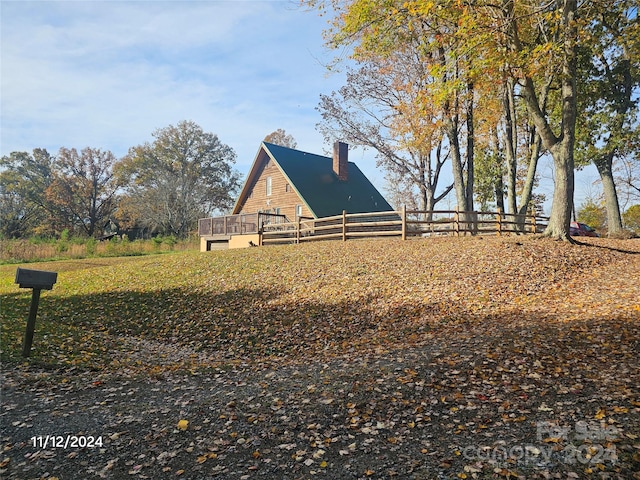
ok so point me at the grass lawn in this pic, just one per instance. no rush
(435, 358)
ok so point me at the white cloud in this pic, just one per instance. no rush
(107, 74)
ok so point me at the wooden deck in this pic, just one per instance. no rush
(217, 232)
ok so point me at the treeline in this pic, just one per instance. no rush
(157, 189)
(485, 89)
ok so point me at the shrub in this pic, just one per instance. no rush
(91, 246)
(62, 245)
(632, 218)
(592, 214)
(170, 241)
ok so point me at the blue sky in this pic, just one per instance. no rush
(106, 74)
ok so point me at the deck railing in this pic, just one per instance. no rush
(405, 223)
(238, 224)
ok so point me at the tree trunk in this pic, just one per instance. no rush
(614, 220)
(561, 148)
(535, 147)
(429, 200)
(527, 190)
(499, 191)
(469, 181)
(456, 162)
(510, 144)
(470, 149)
(560, 218)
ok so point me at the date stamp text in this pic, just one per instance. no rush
(65, 441)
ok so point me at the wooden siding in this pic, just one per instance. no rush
(257, 199)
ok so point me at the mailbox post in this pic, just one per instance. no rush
(37, 280)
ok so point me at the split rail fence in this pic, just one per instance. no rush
(404, 224)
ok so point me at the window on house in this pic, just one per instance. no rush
(287, 188)
(269, 182)
(298, 210)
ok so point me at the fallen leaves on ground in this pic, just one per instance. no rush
(442, 358)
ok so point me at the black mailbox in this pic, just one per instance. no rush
(37, 279)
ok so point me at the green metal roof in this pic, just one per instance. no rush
(312, 176)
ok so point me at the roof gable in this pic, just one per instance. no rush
(314, 180)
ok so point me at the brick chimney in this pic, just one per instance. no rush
(340, 159)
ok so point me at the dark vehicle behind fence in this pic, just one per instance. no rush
(578, 229)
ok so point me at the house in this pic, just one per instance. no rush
(298, 184)
(290, 184)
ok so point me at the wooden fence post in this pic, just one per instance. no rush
(298, 231)
(534, 228)
(456, 223)
(36, 280)
(31, 323)
(404, 222)
(344, 225)
(499, 221)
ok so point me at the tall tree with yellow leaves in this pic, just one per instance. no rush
(469, 44)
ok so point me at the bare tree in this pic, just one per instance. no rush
(378, 109)
(628, 178)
